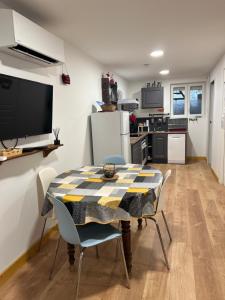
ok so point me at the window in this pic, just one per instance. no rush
(186, 100)
(179, 97)
(195, 100)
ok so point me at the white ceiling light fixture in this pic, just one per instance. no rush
(164, 72)
(157, 53)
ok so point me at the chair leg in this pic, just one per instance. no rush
(54, 259)
(146, 223)
(162, 245)
(119, 225)
(117, 242)
(79, 273)
(167, 227)
(42, 234)
(117, 246)
(97, 253)
(124, 262)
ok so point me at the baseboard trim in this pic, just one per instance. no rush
(24, 258)
(197, 158)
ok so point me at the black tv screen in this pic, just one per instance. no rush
(25, 107)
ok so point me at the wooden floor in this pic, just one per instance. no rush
(195, 211)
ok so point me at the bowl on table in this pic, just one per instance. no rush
(109, 170)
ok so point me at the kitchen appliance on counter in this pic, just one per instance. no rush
(110, 135)
(128, 104)
(143, 127)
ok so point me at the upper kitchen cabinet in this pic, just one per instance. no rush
(152, 97)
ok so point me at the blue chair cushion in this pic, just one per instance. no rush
(114, 159)
(93, 234)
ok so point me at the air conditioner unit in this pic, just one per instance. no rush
(23, 38)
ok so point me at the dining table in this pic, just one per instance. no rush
(91, 198)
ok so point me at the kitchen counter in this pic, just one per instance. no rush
(135, 139)
(169, 132)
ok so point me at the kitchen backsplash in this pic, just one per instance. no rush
(155, 123)
(160, 123)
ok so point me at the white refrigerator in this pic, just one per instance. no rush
(110, 135)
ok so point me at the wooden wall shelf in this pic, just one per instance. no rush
(46, 151)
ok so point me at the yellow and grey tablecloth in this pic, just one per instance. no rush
(90, 199)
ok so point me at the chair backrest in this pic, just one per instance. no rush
(46, 176)
(161, 197)
(67, 228)
(114, 159)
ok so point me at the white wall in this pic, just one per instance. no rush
(217, 163)
(20, 223)
(198, 131)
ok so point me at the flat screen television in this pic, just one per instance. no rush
(25, 107)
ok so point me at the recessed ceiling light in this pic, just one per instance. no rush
(157, 53)
(164, 72)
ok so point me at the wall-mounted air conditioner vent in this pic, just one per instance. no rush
(23, 38)
(34, 54)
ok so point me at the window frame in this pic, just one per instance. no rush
(203, 97)
(187, 104)
(185, 100)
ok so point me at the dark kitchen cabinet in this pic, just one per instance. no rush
(152, 97)
(139, 151)
(159, 148)
(136, 153)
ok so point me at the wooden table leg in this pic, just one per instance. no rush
(140, 224)
(127, 244)
(71, 254)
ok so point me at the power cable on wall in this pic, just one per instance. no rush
(5, 147)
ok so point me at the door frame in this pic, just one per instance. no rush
(210, 119)
(223, 124)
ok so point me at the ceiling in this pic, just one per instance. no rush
(121, 33)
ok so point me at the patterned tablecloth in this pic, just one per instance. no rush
(90, 199)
